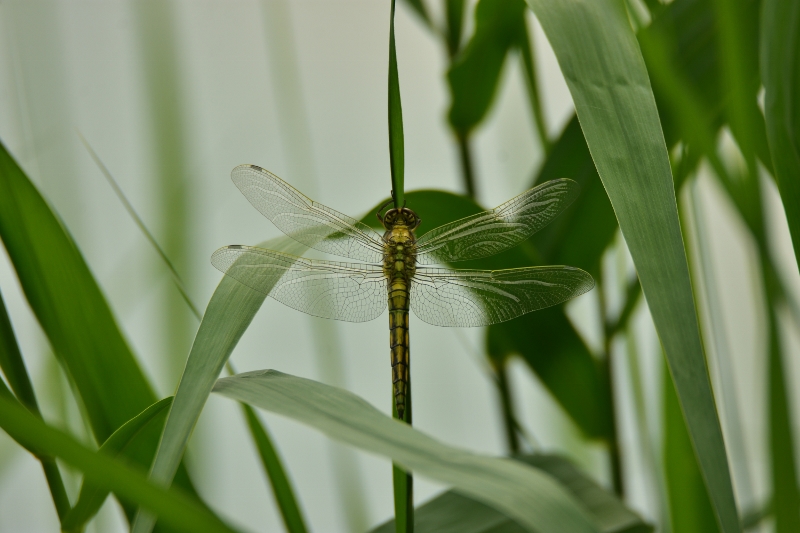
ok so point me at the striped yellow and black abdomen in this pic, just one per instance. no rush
(398, 339)
(399, 265)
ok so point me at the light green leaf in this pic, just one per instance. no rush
(230, 311)
(532, 498)
(91, 497)
(452, 512)
(603, 66)
(176, 509)
(780, 73)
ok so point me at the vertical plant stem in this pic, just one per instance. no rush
(465, 153)
(403, 481)
(532, 83)
(16, 373)
(500, 368)
(613, 442)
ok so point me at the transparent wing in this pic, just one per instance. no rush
(341, 291)
(305, 220)
(465, 298)
(490, 232)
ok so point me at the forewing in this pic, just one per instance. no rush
(493, 231)
(327, 289)
(305, 220)
(465, 298)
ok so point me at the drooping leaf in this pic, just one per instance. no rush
(179, 511)
(780, 73)
(452, 512)
(601, 61)
(91, 497)
(227, 316)
(532, 498)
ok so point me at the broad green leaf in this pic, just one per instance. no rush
(532, 498)
(396, 143)
(91, 498)
(601, 61)
(474, 76)
(780, 73)
(452, 512)
(690, 508)
(73, 313)
(227, 316)
(281, 487)
(176, 509)
(16, 373)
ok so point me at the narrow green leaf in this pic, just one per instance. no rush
(452, 512)
(396, 145)
(227, 316)
(13, 367)
(690, 507)
(419, 8)
(604, 69)
(454, 15)
(176, 509)
(780, 73)
(532, 498)
(281, 487)
(91, 497)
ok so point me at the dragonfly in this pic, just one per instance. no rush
(397, 269)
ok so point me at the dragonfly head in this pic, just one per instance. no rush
(402, 216)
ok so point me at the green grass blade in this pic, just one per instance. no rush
(780, 73)
(16, 373)
(396, 143)
(91, 497)
(454, 16)
(532, 498)
(281, 487)
(227, 316)
(176, 509)
(453, 512)
(605, 72)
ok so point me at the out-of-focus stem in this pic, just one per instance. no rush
(467, 172)
(507, 405)
(532, 83)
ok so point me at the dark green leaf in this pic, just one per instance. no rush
(176, 509)
(690, 507)
(91, 497)
(780, 72)
(452, 512)
(475, 74)
(601, 61)
(533, 499)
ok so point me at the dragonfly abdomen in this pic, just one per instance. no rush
(399, 341)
